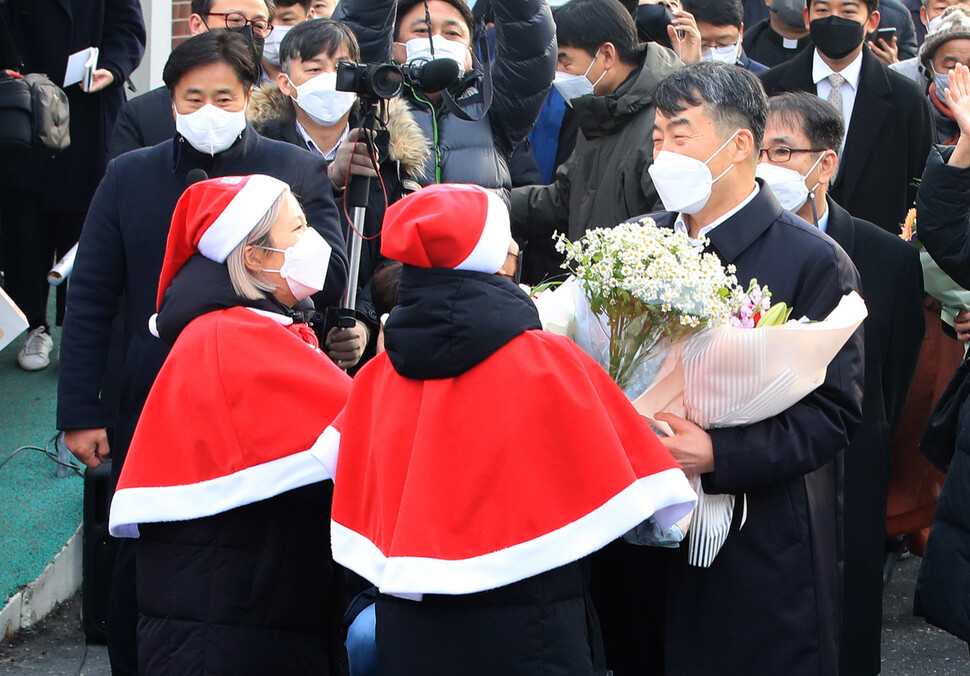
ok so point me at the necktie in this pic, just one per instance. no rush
(835, 96)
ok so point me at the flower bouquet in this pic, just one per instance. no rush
(712, 352)
(637, 290)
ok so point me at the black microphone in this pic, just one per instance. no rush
(194, 176)
(433, 76)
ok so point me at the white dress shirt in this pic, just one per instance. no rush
(312, 147)
(851, 73)
(680, 225)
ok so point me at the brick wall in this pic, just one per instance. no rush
(181, 9)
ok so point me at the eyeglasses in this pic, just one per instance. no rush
(261, 27)
(782, 154)
(516, 276)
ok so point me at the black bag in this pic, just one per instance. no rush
(939, 439)
(34, 112)
(99, 550)
(34, 116)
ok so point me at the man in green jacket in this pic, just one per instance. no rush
(608, 79)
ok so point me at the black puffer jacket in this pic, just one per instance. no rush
(252, 590)
(943, 586)
(463, 151)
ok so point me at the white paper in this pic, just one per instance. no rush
(12, 320)
(80, 66)
(728, 377)
(557, 309)
(62, 270)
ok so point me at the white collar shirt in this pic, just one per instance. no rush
(312, 146)
(680, 225)
(851, 73)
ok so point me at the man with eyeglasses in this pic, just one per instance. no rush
(888, 122)
(147, 119)
(798, 161)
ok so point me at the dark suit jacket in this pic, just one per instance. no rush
(892, 285)
(144, 121)
(887, 142)
(46, 32)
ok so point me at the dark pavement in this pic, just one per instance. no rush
(910, 646)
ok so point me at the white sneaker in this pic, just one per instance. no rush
(36, 354)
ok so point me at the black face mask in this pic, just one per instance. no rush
(835, 36)
(255, 43)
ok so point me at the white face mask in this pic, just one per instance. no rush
(574, 86)
(787, 184)
(271, 45)
(210, 129)
(728, 55)
(305, 264)
(934, 24)
(319, 98)
(683, 183)
(419, 50)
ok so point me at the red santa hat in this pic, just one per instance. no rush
(463, 227)
(212, 217)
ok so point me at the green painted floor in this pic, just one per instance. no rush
(38, 512)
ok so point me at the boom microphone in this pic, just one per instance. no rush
(433, 76)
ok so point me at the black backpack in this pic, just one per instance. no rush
(34, 112)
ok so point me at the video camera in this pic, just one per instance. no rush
(376, 81)
(371, 81)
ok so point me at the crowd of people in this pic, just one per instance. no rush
(380, 463)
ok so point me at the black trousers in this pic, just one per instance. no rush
(32, 238)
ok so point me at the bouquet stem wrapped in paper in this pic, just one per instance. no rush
(677, 334)
(728, 377)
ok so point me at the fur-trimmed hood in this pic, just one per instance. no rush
(407, 143)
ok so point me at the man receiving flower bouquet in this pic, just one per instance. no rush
(770, 601)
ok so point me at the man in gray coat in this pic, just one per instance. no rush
(608, 79)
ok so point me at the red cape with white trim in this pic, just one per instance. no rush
(530, 460)
(240, 412)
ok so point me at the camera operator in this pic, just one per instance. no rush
(303, 107)
(474, 150)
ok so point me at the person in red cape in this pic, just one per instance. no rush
(482, 459)
(227, 481)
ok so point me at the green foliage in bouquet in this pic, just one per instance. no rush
(649, 286)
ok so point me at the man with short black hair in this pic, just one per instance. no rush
(888, 119)
(721, 25)
(147, 119)
(770, 601)
(471, 137)
(798, 161)
(608, 79)
(288, 13)
(120, 254)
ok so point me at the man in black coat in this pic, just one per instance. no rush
(889, 124)
(892, 285)
(770, 601)
(780, 36)
(43, 203)
(147, 120)
(121, 251)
